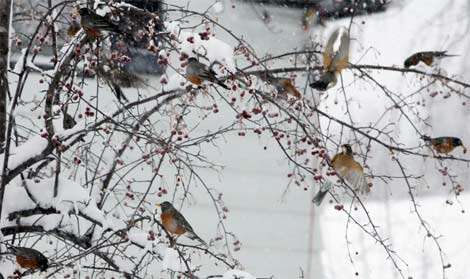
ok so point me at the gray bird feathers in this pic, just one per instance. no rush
(197, 72)
(93, 21)
(320, 196)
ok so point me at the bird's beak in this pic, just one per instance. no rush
(158, 204)
(75, 11)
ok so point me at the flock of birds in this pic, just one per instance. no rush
(335, 59)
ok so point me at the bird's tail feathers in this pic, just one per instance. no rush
(221, 83)
(444, 54)
(320, 196)
(194, 236)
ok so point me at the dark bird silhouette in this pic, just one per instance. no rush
(427, 57)
(444, 144)
(324, 188)
(30, 258)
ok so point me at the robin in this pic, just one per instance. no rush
(324, 188)
(334, 61)
(174, 222)
(284, 87)
(197, 72)
(30, 258)
(93, 24)
(427, 57)
(345, 165)
(444, 144)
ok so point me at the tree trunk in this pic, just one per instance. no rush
(5, 6)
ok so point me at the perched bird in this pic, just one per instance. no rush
(93, 24)
(174, 222)
(350, 170)
(324, 188)
(197, 72)
(30, 258)
(444, 144)
(334, 59)
(284, 87)
(427, 57)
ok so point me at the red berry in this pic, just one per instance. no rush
(339, 207)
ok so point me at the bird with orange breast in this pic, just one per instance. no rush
(197, 72)
(29, 258)
(335, 59)
(350, 170)
(427, 57)
(174, 222)
(284, 87)
(444, 145)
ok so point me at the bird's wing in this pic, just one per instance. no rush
(23, 252)
(328, 53)
(194, 236)
(433, 53)
(356, 178)
(340, 57)
(438, 141)
(324, 188)
(189, 230)
(207, 73)
(181, 221)
(100, 22)
(198, 69)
